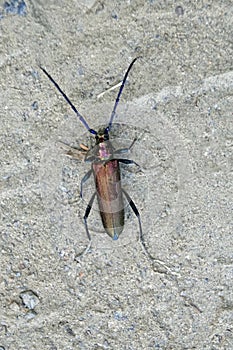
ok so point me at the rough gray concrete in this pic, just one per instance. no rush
(178, 102)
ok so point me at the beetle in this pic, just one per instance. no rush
(106, 170)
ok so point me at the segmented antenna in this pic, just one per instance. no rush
(81, 118)
(70, 103)
(113, 114)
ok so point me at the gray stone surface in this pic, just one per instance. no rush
(178, 102)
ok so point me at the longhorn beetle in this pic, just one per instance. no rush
(106, 170)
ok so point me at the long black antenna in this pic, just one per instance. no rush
(70, 103)
(113, 114)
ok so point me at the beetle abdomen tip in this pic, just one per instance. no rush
(115, 237)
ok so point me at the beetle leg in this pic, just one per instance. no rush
(87, 212)
(136, 212)
(141, 240)
(84, 179)
(129, 161)
(125, 150)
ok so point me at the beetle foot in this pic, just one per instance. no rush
(83, 253)
(158, 265)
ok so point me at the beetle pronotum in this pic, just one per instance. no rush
(106, 170)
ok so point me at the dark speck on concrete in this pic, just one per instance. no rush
(35, 105)
(179, 10)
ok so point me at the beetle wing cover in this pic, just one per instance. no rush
(109, 195)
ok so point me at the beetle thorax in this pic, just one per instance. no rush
(105, 150)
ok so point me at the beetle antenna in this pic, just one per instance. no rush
(69, 102)
(113, 114)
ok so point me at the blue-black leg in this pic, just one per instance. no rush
(87, 212)
(141, 240)
(84, 179)
(125, 150)
(128, 161)
(136, 212)
(165, 268)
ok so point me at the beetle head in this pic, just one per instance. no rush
(102, 135)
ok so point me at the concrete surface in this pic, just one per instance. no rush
(178, 103)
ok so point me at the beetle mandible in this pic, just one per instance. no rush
(106, 170)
